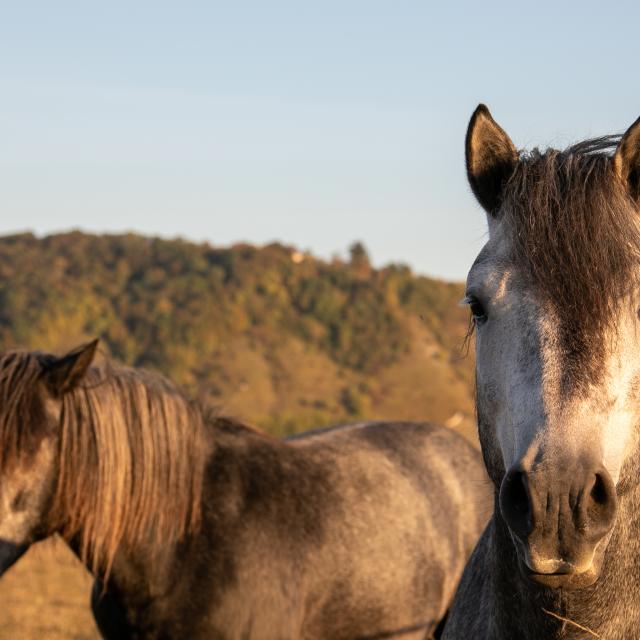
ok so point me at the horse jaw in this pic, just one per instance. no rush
(26, 488)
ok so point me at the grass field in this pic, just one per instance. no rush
(45, 596)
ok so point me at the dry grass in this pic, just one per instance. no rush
(45, 596)
(424, 385)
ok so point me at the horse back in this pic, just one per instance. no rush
(432, 461)
(415, 500)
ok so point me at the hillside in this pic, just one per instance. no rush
(269, 334)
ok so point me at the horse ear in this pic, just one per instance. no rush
(64, 373)
(626, 160)
(491, 158)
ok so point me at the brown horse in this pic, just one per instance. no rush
(555, 296)
(197, 526)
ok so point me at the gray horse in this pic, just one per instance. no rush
(555, 298)
(197, 526)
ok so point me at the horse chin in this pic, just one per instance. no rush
(563, 580)
(10, 553)
(554, 573)
(566, 578)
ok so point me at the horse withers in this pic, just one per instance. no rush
(555, 298)
(197, 526)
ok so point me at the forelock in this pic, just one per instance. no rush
(22, 415)
(573, 233)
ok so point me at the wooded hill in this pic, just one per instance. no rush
(269, 334)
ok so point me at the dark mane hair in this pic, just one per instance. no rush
(131, 454)
(574, 230)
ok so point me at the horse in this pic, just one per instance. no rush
(554, 296)
(196, 525)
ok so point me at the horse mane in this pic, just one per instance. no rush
(574, 231)
(131, 452)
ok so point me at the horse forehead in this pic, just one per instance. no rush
(570, 347)
(492, 275)
(495, 270)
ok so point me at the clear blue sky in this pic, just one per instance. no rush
(312, 123)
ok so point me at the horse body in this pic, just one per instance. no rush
(360, 531)
(555, 294)
(319, 537)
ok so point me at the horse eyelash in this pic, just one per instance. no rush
(466, 341)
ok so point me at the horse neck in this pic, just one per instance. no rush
(525, 610)
(242, 467)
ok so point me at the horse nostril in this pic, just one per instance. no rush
(519, 496)
(599, 493)
(515, 504)
(601, 503)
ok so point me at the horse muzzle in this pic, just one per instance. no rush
(560, 522)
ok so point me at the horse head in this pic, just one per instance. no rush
(31, 388)
(554, 298)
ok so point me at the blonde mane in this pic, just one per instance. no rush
(131, 453)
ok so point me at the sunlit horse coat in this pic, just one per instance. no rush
(197, 526)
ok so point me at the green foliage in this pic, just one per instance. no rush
(356, 401)
(185, 308)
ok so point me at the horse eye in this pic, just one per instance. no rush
(477, 309)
